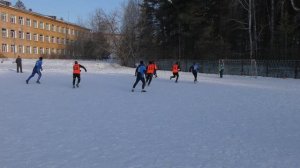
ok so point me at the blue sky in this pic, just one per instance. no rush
(70, 10)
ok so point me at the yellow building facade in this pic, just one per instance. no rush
(31, 34)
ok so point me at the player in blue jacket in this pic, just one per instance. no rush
(140, 76)
(37, 70)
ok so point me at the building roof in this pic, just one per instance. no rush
(41, 15)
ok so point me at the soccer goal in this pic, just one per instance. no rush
(244, 67)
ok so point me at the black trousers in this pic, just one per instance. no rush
(195, 75)
(74, 78)
(175, 75)
(19, 68)
(221, 73)
(149, 78)
(140, 77)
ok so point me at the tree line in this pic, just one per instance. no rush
(210, 29)
(193, 29)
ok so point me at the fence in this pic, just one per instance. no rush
(266, 68)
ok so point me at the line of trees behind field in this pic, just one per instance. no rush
(210, 29)
(195, 29)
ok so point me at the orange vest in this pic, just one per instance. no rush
(175, 68)
(151, 68)
(76, 69)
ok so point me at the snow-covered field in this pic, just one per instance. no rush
(235, 122)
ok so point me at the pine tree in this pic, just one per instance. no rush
(214, 29)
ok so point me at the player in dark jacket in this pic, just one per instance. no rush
(194, 69)
(19, 64)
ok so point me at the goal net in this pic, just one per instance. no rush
(246, 67)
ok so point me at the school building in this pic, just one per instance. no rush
(31, 35)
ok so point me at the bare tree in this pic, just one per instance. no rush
(294, 5)
(254, 30)
(103, 41)
(248, 6)
(130, 30)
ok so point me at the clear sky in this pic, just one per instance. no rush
(70, 10)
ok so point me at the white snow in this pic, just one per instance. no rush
(235, 122)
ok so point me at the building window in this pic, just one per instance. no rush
(4, 17)
(35, 37)
(41, 51)
(4, 33)
(58, 29)
(41, 38)
(47, 39)
(47, 26)
(47, 51)
(53, 39)
(28, 22)
(53, 51)
(13, 48)
(21, 20)
(28, 49)
(21, 35)
(35, 24)
(58, 40)
(64, 30)
(35, 51)
(13, 19)
(53, 28)
(73, 32)
(21, 49)
(41, 25)
(63, 41)
(28, 36)
(4, 48)
(63, 52)
(12, 34)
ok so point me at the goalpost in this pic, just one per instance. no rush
(253, 68)
(243, 67)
